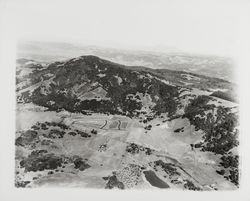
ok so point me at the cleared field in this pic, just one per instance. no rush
(113, 125)
(124, 125)
(97, 121)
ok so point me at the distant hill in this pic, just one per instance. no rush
(212, 66)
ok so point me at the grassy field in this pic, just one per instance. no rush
(112, 152)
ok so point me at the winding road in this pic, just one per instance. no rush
(104, 124)
(119, 124)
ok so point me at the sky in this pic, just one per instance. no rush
(195, 26)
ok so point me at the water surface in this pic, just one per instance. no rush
(154, 180)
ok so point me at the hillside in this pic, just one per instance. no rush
(130, 124)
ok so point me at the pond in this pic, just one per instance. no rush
(154, 180)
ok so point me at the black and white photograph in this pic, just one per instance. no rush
(125, 95)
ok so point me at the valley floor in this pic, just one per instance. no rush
(110, 151)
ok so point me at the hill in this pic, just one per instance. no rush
(165, 121)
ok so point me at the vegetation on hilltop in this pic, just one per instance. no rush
(122, 95)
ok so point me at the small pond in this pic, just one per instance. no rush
(154, 180)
